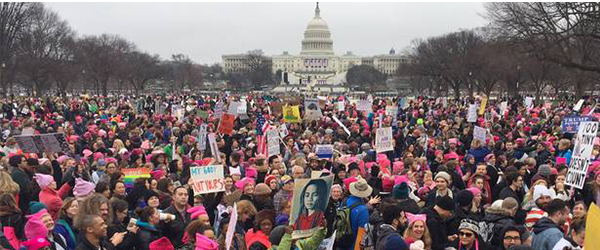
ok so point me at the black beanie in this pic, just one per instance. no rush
(14, 161)
(464, 198)
(445, 202)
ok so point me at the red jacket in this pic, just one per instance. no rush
(53, 199)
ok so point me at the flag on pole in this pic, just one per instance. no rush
(262, 126)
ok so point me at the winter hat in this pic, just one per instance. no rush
(251, 172)
(445, 202)
(397, 167)
(35, 207)
(336, 186)
(349, 181)
(37, 243)
(34, 228)
(98, 156)
(475, 191)
(544, 170)
(539, 191)
(62, 158)
(401, 191)
(443, 175)
(195, 212)
(470, 225)
(161, 244)
(286, 179)
(43, 180)
(205, 243)
(360, 188)
(82, 188)
(488, 157)
(387, 184)
(262, 189)
(400, 179)
(464, 198)
(157, 174)
(149, 194)
(269, 178)
(415, 217)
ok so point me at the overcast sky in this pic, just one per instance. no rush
(205, 31)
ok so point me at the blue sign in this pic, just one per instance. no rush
(570, 123)
(324, 151)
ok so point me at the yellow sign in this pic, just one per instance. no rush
(291, 114)
(482, 107)
(592, 228)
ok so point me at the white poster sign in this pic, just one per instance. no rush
(283, 131)
(364, 105)
(214, 148)
(202, 136)
(341, 124)
(472, 115)
(577, 172)
(578, 105)
(231, 227)
(383, 140)
(479, 134)
(584, 144)
(207, 179)
(273, 142)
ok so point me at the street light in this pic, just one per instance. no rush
(2, 71)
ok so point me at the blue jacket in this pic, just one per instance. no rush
(545, 234)
(566, 154)
(63, 228)
(359, 216)
(479, 154)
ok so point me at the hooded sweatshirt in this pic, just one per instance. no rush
(546, 234)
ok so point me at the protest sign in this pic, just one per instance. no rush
(27, 144)
(482, 106)
(570, 123)
(283, 131)
(472, 114)
(273, 142)
(214, 148)
(202, 136)
(577, 172)
(291, 114)
(309, 204)
(364, 105)
(341, 125)
(312, 111)
(207, 179)
(132, 174)
(178, 112)
(233, 108)
(341, 105)
(242, 108)
(584, 144)
(479, 134)
(578, 105)
(529, 102)
(383, 140)
(219, 110)
(503, 107)
(324, 151)
(402, 103)
(231, 227)
(592, 229)
(391, 110)
(226, 124)
(51, 143)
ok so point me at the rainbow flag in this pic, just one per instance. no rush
(131, 174)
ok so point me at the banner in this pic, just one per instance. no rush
(324, 151)
(291, 114)
(472, 114)
(479, 134)
(309, 204)
(312, 111)
(51, 143)
(482, 106)
(364, 105)
(341, 125)
(578, 105)
(132, 174)
(202, 136)
(226, 124)
(570, 123)
(273, 142)
(384, 140)
(214, 148)
(207, 179)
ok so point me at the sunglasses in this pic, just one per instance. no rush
(468, 235)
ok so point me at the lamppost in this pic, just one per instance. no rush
(1, 72)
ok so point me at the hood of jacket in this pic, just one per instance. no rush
(543, 224)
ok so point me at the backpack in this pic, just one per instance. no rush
(342, 225)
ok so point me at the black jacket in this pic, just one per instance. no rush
(492, 226)
(130, 241)
(175, 229)
(86, 245)
(437, 229)
(147, 235)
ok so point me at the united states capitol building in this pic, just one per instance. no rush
(317, 67)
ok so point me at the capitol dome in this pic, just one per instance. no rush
(317, 38)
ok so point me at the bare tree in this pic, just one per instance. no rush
(140, 68)
(14, 18)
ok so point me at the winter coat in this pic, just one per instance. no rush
(175, 229)
(546, 234)
(86, 245)
(130, 241)
(65, 229)
(437, 229)
(53, 199)
(387, 233)
(147, 234)
(359, 216)
(492, 225)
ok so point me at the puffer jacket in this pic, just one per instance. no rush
(546, 234)
(492, 225)
(384, 233)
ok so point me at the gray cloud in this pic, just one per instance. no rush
(205, 31)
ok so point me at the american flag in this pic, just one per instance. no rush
(262, 126)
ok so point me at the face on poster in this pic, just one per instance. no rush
(309, 204)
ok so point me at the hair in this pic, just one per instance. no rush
(555, 206)
(113, 185)
(101, 186)
(7, 184)
(87, 221)
(177, 188)
(163, 184)
(90, 205)
(116, 205)
(272, 158)
(321, 190)
(62, 213)
(577, 226)
(390, 212)
(193, 228)
(511, 177)
(408, 232)
(145, 213)
(14, 161)
(8, 204)
(245, 206)
(236, 157)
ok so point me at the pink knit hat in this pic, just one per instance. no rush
(98, 156)
(62, 158)
(398, 167)
(205, 243)
(251, 172)
(43, 180)
(82, 188)
(34, 228)
(157, 174)
(195, 212)
(87, 153)
(37, 243)
(161, 244)
(474, 191)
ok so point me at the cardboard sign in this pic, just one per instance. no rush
(283, 131)
(577, 172)
(226, 124)
(312, 111)
(231, 227)
(482, 106)
(384, 140)
(578, 105)
(273, 142)
(479, 134)
(324, 151)
(51, 143)
(391, 111)
(341, 125)
(503, 107)
(364, 105)
(592, 228)
(570, 123)
(529, 102)
(306, 220)
(472, 114)
(291, 114)
(584, 144)
(214, 147)
(207, 179)
(132, 174)
(202, 136)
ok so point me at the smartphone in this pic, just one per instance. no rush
(132, 222)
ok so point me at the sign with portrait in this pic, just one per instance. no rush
(309, 204)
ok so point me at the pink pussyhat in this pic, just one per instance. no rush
(34, 228)
(205, 243)
(43, 180)
(82, 188)
(397, 167)
(195, 212)
(415, 217)
(36, 244)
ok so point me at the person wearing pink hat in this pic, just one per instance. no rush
(49, 195)
(200, 214)
(83, 188)
(40, 223)
(417, 229)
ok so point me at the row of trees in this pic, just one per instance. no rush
(40, 52)
(527, 47)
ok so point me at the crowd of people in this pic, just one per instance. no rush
(438, 188)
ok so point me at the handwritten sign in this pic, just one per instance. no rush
(324, 151)
(226, 124)
(472, 113)
(482, 106)
(364, 105)
(207, 179)
(383, 140)
(479, 134)
(273, 142)
(577, 172)
(341, 124)
(202, 136)
(578, 105)
(582, 152)
(231, 227)
(214, 148)
(51, 143)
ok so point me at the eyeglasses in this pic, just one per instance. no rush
(512, 238)
(468, 235)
